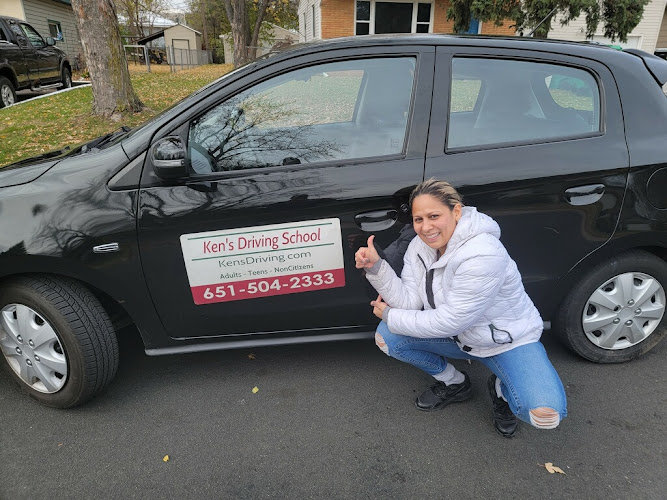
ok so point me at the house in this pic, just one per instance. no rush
(278, 37)
(321, 19)
(650, 34)
(183, 45)
(54, 18)
(150, 24)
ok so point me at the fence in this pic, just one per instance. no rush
(175, 59)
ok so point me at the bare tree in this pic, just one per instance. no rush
(103, 49)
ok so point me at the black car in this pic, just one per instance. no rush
(231, 220)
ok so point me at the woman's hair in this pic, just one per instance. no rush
(440, 190)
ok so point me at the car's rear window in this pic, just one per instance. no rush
(500, 101)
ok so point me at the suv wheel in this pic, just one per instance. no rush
(66, 78)
(7, 93)
(616, 312)
(57, 340)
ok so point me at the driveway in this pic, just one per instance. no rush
(330, 421)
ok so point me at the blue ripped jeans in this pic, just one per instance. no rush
(528, 379)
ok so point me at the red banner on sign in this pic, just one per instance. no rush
(266, 287)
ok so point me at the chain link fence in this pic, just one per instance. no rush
(165, 58)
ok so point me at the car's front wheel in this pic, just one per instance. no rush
(7, 93)
(56, 339)
(616, 311)
(66, 78)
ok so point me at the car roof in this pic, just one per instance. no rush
(584, 49)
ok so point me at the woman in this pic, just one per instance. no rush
(460, 296)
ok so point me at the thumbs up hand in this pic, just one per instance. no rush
(366, 256)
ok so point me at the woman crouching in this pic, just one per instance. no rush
(460, 296)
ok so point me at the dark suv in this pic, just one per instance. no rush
(231, 219)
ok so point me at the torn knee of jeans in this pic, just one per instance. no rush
(379, 341)
(544, 418)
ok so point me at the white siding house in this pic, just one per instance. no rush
(644, 36)
(310, 20)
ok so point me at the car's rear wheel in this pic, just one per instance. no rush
(57, 340)
(616, 311)
(66, 78)
(7, 93)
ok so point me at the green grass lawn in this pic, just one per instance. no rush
(64, 119)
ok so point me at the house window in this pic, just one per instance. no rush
(393, 16)
(363, 18)
(55, 30)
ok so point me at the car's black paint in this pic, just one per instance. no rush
(50, 225)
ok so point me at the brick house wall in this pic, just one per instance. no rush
(337, 17)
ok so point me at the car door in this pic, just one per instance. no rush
(536, 141)
(291, 169)
(27, 70)
(47, 57)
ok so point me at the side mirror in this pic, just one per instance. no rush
(50, 41)
(168, 158)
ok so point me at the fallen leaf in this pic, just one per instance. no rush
(552, 468)
(251, 355)
(255, 390)
(166, 458)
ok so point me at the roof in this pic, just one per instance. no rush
(583, 49)
(160, 34)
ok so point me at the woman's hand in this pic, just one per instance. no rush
(366, 256)
(379, 306)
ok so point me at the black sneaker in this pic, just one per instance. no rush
(440, 395)
(503, 419)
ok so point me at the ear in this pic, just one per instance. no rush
(458, 211)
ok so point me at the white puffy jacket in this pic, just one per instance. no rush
(475, 293)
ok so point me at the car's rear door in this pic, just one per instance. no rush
(536, 141)
(292, 168)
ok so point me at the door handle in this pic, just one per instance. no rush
(378, 220)
(584, 195)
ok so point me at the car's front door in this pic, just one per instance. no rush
(47, 58)
(291, 169)
(537, 142)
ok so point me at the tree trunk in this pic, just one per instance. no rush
(105, 57)
(254, 41)
(238, 19)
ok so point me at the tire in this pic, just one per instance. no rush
(7, 93)
(66, 78)
(56, 319)
(616, 312)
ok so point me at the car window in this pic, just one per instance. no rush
(34, 37)
(333, 111)
(505, 101)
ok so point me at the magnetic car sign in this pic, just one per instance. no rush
(261, 261)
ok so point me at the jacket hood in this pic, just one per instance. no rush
(471, 224)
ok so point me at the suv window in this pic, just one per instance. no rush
(333, 111)
(497, 101)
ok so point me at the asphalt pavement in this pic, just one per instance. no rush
(330, 421)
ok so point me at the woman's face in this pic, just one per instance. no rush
(434, 221)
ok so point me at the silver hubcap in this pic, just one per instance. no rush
(32, 348)
(624, 311)
(7, 95)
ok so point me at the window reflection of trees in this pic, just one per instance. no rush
(251, 131)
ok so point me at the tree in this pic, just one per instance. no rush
(103, 49)
(619, 16)
(140, 14)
